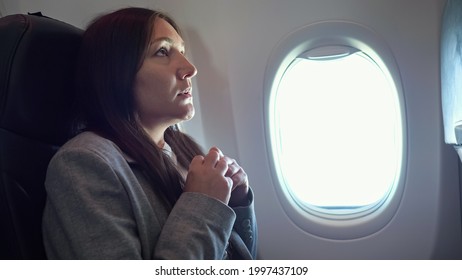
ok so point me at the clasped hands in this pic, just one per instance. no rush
(218, 176)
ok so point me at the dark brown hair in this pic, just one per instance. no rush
(112, 52)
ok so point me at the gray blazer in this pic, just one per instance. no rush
(100, 206)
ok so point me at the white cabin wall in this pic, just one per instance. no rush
(230, 43)
(2, 9)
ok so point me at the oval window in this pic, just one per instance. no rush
(336, 134)
(338, 127)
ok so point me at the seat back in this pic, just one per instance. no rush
(37, 58)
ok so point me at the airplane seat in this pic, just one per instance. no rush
(37, 58)
(451, 75)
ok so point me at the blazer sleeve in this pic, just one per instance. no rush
(90, 214)
(246, 225)
(203, 226)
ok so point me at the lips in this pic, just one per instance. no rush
(185, 92)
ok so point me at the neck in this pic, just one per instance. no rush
(157, 136)
(156, 131)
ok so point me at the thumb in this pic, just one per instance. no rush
(230, 182)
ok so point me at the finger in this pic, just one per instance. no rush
(240, 179)
(211, 158)
(220, 153)
(222, 167)
(233, 168)
(197, 160)
(230, 183)
(230, 160)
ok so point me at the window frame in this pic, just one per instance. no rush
(296, 44)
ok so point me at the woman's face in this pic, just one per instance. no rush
(163, 83)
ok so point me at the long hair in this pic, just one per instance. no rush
(112, 52)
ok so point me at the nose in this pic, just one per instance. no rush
(186, 69)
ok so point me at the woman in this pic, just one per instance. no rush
(132, 185)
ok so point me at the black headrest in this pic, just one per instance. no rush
(37, 61)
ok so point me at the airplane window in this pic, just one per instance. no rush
(336, 131)
(335, 124)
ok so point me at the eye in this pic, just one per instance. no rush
(161, 52)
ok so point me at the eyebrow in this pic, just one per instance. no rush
(168, 40)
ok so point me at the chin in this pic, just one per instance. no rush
(189, 114)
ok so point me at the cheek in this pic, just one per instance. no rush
(142, 94)
(146, 85)
(155, 84)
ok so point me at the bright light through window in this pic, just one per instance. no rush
(337, 132)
